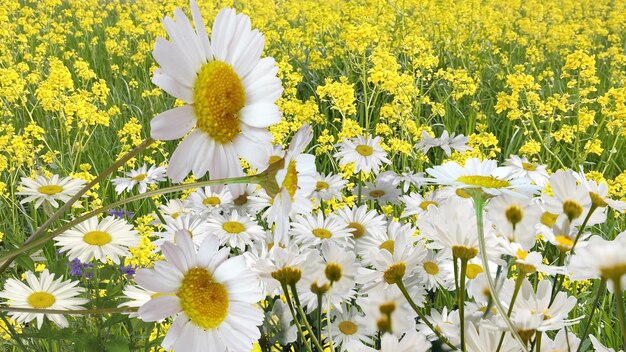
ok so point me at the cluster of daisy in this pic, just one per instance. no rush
(265, 260)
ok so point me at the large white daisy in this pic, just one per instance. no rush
(109, 238)
(51, 190)
(212, 297)
(43, 292)
(229, 90)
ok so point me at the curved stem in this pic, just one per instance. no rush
(64, 311)
(462, 301)
(423, 317)
(8, 257)
(65, 207)
(295, 316)
(619, 301)
(518, 285)
(599, 295)
(304, 319)
(479, 204)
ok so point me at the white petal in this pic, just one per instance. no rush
(159, 308)
(172, 87)
(179, 165)
(173, 123)
(260, 115)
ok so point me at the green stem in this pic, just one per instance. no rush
(304, 319)
(538, 340)
(360, 190)
(295, 316)
(423, 317)
(8, 257)
(462, 301)
(619, 301)
(64, 311)
(599, 294)
(479, 204)
(14, 334)
(518, 285)
(582, 227)
(319, 317)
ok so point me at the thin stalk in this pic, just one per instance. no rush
(538, 341)
(14, 334)
(402, 289)
(330, 335)
(65, 207)
(599, 294)
(78, 311)
(360, 190)
(8, 257)
(479, 204)
(619, 301)
(461, 303)
(304, 319)
(518, 285)
(295, 316)
(582, 227)
(319, 317)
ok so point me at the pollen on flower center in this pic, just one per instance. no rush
(233, 227)
(218, 96)
(388, 245)
(473, 270)
(377, 193)
(212, 201)
(139, 177)
(50, 189)
(41, 299)
(529, 167)
(321, 185)
(514, 214)
(564, 241)
(321, 233)
(572, 209)
(431, 268)
(290, 183)
(424, 205)
(333, 272)
(364, 150)
(203, 300)
(97, 238)
(483, 181)
(357, 229)
(348, 328)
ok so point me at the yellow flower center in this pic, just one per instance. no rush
(572, 209)
(431, 268)
(41, 300)
(364, 150)
(461, 193)
(321, 185)
(357, 229)
(529, 167)
(388, 245)
(483, 181)
(333, 272)
(464, 252)
(514, 214)
(97, 238)
(233, 227)
(241, 200)
(290, 183)
(161, 294)
(424, 205)
(348, 328)
(614, 272)
(521, 254)
(50, 189)
(274, 158)
(204, 301)
(377, 193)
(564, 241)
(218, 95)
(139, 177)
(548, 218)
(473, 270)
(322, 233)
(212, 201)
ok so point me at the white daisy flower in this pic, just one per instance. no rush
(571, 198)
(229, 90)
(446, 142)
(446, 322)
(412, 341)
(170, 211)
(599, 193)
(43, 292)
(277, 263)
(417, 204)
(211, 296)
(380, 192)
(481, 340)
(395, 232)
(138, 296)
(244, 204)
(235, 230)
(362, 223)
(435, 271)
(328, 187)
(106, 239)
(194, 225)
(600, 258)
(50, 190)
(141, 178)
(364, 151)
(515, 218)
(349, 330)
(564, 341)
(278, 324)
(387, 310)
(485, 175)
(207, 200)
(312, 230)
(296, 182)
(521, 167)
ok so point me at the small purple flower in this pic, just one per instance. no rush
(76, 267)
(121, 213)
(128, 269)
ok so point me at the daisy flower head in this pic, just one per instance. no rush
(207, 200)
(235, 230)
(434, 270)
(280, 265)
(521, 167)
(484, 175)
(446, 322)
(328, 187)
(229, 90)
(362, 223)
(211, 296)
(349, 329)
(387, 311)
(50, 190)
(381, 192)
(312, 230)
(364, 151)
(599, 193)
(417, 204)
(194, 225)
(106, 239)
(170, 211)
(141, 178)
(295, 182)
(446, 142)
(571, 198)
(563, 341)
(515, 218)
(485, 339)
(600, 258)
(137, 297)
(43, 292)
